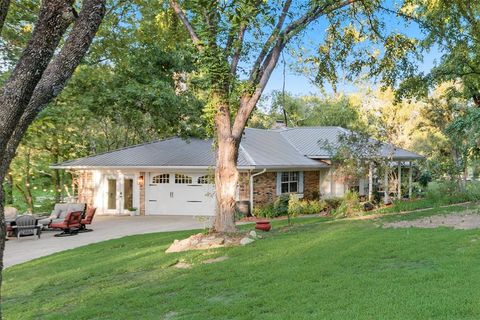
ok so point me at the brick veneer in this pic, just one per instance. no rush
(311, 185)
(265, 187)
(86, 189)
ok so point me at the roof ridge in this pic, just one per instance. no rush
(247, 155)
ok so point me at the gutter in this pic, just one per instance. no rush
(251, 188)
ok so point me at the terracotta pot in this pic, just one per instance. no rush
(263, 225)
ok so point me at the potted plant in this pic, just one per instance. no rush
(133, 211)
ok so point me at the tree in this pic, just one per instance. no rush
(40, 74)
(453, 28)
(246, 38)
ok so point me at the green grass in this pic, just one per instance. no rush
(318, 269)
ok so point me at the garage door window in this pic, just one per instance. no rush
(161, 178)
(182, 179)
(208, 179)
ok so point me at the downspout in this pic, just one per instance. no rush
(251, 188)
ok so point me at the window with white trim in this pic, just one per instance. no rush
(182, 178)
(289, 182)
(161, 178)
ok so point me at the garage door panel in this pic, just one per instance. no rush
(181, 195)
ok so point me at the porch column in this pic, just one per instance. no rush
(385, 187)
(332, 183)
(370, 181)
(399, 181)
(410, 179)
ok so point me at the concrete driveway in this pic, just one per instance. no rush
(105, 228)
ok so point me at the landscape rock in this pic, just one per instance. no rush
(197, 242)
(246, 241)
(253, 234)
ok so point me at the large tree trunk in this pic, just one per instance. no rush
(226, 173)
(30, 87)
(226, 179)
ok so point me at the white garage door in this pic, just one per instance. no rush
(180, 194)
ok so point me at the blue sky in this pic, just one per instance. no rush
(300, 85)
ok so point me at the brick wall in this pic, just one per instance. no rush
(86, 189)
(264, 188)
(311, 183)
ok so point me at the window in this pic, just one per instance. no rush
(182, 178)
(289, 182)
(208, 179)
(161, 178)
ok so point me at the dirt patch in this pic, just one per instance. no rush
(464, 221)
(214, 260)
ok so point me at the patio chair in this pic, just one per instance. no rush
(26, 225)
(70, 225)
(87, 220)
(60, 211)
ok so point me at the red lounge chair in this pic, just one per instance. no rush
(69, 225)
(87, 220)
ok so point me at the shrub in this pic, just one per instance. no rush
(294, 205)
(349, 206)
(267, 211)
(332, 203)
(281, 204)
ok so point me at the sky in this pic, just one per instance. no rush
(300, 85)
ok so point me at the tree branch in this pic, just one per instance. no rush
(238, 50)
(4, 5)
(261, 77)
(193, 35)
(54, 18)
(59, 70)
(270, 40)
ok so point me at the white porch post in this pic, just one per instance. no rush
(332, 183)
(370, 181)
(385, 187)
(399, 181)
(410, 180)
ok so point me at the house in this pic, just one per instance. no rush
(174, 176)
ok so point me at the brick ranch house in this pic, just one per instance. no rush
(174, 176)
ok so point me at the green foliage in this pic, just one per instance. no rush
(424, 178)
(333, 203)
(266, 211)
(290, 205)
(349, 206)
(281, 204)
(298, 206)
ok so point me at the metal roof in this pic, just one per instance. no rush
(314, 142)
(284, 148)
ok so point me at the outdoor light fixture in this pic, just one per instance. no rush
(140, 181)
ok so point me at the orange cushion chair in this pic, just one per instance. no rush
(87, 220)
(70, 225)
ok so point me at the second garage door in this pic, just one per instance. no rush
(179, 194)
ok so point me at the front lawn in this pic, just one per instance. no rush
(317, 270)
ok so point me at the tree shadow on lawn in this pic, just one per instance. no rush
(341, 269)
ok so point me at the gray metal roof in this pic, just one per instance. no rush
(314, 142)
(285, 148)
